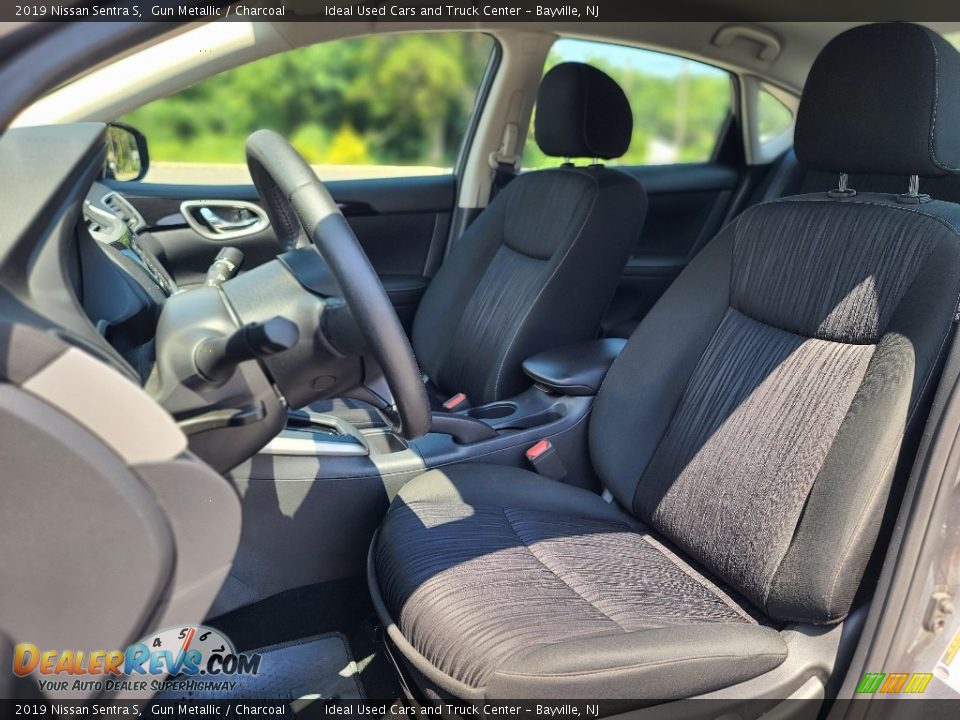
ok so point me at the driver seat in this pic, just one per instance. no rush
(540, 264)
(753, 434)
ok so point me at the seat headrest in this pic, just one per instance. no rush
(582, 112)
(882, 99)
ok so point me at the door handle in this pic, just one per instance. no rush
(220, 224)
(224, 219)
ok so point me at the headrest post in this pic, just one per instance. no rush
(842, 190)
(913, 196)
(913, 186)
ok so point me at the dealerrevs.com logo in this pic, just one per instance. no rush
(186, 653)
(894, 683)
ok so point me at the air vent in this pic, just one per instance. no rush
(122, 208)
(102, 225)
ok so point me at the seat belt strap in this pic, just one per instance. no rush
(503, 161)
(502, 175)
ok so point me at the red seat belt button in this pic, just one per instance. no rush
(546, 460)
(457, 402)
(537, 450)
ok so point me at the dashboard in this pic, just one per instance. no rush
(225, 357)
(73, 265)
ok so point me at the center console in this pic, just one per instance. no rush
(314, 496)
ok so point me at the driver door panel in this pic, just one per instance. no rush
(401, 223)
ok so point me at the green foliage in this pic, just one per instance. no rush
(311, 141)
(406, 100)
(399, 99)
(348, 147)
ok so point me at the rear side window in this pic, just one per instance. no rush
(679, 105)
(371, 107)
(773, 117)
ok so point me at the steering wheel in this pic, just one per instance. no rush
(299, 205)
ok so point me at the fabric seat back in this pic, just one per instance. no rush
(760, 413)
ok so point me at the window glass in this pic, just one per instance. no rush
(370, 107)
(679, 105)
(773, 117)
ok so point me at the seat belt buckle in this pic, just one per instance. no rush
(545, 459)
(457, 402)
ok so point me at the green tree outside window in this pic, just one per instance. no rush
(368, 106)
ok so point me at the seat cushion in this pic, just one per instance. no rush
(559, 593)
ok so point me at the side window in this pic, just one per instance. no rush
(371, 107)
(679, 105)
(773, 117)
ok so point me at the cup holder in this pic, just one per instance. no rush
(495, 411)
(537, 419)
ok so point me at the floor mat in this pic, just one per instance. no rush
(314, 669)
(341, 606)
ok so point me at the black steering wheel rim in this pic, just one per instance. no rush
(298, 204)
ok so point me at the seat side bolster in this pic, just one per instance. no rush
(857, 492)
(455, 282)
(643, 388)
(660, 664)
(429, 680)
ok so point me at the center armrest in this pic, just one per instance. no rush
(576, 369)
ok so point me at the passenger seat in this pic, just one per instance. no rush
(539, 266)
